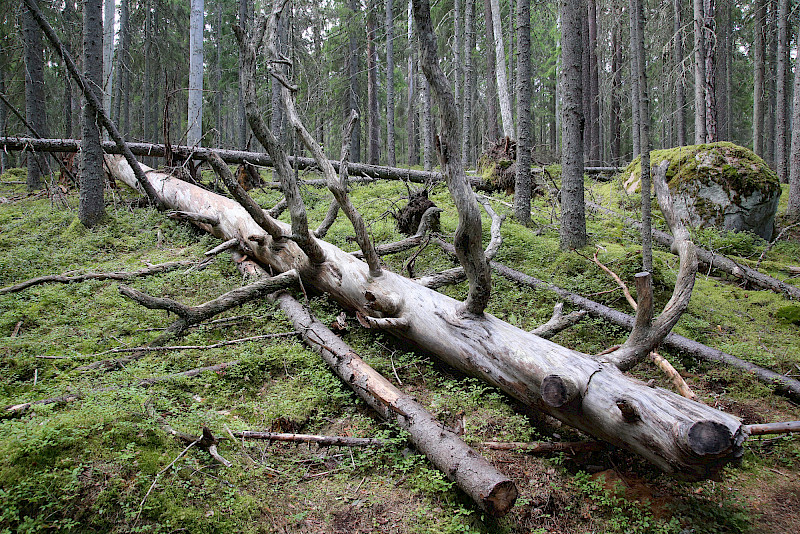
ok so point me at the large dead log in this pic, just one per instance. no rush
(679, 436)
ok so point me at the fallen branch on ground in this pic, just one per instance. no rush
(773, 428)
(680, 384)
(325, 441)
(546, 447)
(68, 278)
(203, 347)
(558, 322)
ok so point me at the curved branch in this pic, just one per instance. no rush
(467, 238)
(645, 336)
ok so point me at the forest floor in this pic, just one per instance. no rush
(103, 463)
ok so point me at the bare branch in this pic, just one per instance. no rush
(558, 322)
(676, 378)
(618, 280)
(646, 336)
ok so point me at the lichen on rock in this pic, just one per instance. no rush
(717, 184)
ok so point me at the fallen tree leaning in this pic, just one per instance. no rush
(679, 436)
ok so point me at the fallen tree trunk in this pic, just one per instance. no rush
(714, 260)
(489, 488)
(239, 157)
(782, 384)
(679, 436)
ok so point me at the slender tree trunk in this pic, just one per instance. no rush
(109, 16)
(616, 83)
(458, 49)
(389, 22)
(218, 76)
(3, 110)
(353, 101)
(770, 90)
(759, 23)
(427, 125)
(594, 86)
(195, 108)
(244, 23)
(709, 48)
(781, 123)
(572, 233)
(411, 81)
(522, 183)
(586, 77)
(699, 74)
(466, 111)
(636, 112)
(793, 210)
(680, 95)
(637, 49)
(492, 128)
(721, 63)
(91, 204)
(373, 118)
(123, 70)
(34, 94)
(500, 70)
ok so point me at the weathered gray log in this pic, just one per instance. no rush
(716, 261)
(773, 428)
(674, 433)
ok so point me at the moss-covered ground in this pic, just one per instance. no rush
(87, 465)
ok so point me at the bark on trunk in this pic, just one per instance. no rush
(91, 207)
(680, 96)
(34, 95)
(781, 124)
(411, 113)
(616, 84)
(594, 87)
(194, 134)
(699, 75)
(522, 182)
(677, 435)
(492, 128)
(389, 22)
(572, 233)
(709, 48)
(466, 110)
(759, 23)
(500, 71)
(793, 210)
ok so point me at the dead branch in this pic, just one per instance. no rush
(496, 240)
(547, 447)
(222, 247)
(444, 278)
(324, 441)
(773, 428)
(558, 322)
(672, 374)
(333, 209)
(68, 278)
(646, 333)
(619, 282)
(714, 260)
(203, 347)
(198, 218)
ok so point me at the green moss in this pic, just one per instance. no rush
(789, 314)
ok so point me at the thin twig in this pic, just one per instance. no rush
(155, 480)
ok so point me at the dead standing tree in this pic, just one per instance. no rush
(678, 435)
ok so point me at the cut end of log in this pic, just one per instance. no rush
(709, 438)
(557, 390)
(501, 498)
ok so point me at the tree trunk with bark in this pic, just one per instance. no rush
(759, 23)
(492, 128)
(3, 110)
(34, 95)
(572, 233)
(594, 88)
(411, 82)
(109, 16)
(353, 100)
(793, 210)
(616, 84)
(781, 75)
(469, 74)
(709, 48)
(91, 208)
(245, 12)
(699, 74)
(390, 130)
(680, 96)
(503, 94)
(522, 182)
(194, 134)
(373, 118)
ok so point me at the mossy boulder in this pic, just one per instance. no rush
(718, 184)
